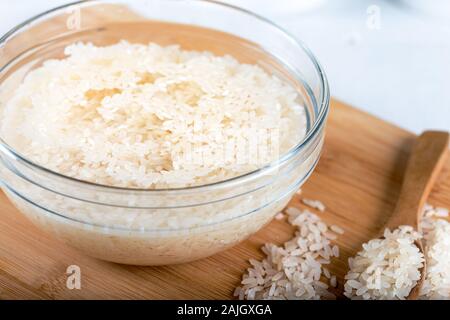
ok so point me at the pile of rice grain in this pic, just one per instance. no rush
(436, 233)
(147, 116)
(386, 268)
(297, 270)
(389, 268)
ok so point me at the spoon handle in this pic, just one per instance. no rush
(426, 161)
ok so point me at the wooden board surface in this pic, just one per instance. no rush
(358, 178)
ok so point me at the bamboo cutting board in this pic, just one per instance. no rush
(358, 178)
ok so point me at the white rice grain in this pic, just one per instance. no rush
(296, 269)
(337, 229)
(386, 268)
(132, 115)
(315, 204)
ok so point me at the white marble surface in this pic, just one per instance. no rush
(388, 57)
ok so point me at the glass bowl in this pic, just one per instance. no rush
(159, 227)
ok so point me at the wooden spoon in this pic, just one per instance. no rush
(426, 161)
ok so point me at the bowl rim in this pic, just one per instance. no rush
(323, 104)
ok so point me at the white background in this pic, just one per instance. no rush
(388, 57)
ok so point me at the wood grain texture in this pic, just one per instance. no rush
(425, 164)
(358, 178)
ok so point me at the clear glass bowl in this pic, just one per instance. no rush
(158, 227)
